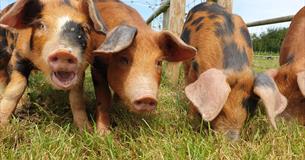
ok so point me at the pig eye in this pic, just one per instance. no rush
(124, 60)
(41, 26)
(159, 62)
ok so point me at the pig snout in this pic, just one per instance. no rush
(62, 60)
(64, 68)
(145, 103)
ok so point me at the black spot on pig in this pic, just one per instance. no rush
(250, 104)
(264, 80)
(186, 35)
(234, 57)
(246, 35)
(215, 11)
(4, 53)
(219, 29)
(229, 23)
(197, 21)
(213, 16)
(199, 27)
(74, 34)
(189, 18)
(23, 65)
(195, 66)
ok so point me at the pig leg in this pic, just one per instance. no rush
(12, 95)
(4, 77)
(78, 106)
(103, 98)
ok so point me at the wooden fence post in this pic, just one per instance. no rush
(173, 21)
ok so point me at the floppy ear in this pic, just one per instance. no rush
(265, 87)
(209, 93)
(95, 17)
(21, 14)
(301, 81)
(174, 48)
(89, 8)
(117, 40)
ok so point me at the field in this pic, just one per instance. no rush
(44, 130)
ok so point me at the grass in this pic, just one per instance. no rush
(44, 130)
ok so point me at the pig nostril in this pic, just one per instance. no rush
(138, 102)
(54, 59)
(152, 104)
(71, 61)
(145, 104)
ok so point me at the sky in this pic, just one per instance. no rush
(250, 10)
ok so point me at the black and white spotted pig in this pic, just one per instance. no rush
(53, 36)
(220, 83)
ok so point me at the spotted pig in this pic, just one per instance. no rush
(53, 37)
(220, 83)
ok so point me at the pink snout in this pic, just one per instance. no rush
(62, 60)
(145, 104)
(64, 69)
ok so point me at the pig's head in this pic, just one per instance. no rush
(54, 36)
(225, 98)
(135, 63)
(290, 79)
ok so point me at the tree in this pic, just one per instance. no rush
(269, 41)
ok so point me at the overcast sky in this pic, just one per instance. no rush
(250, 10)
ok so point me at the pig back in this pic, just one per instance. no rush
(222, 39)
(293, 44)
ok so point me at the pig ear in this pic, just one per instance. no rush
(275, 103)
(174, 48)
(95, 17)
(301, 81)
(21, 14)
(209, 93)
(117, 40)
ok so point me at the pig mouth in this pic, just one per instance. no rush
(64, 79)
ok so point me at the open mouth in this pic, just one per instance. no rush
(63, 79)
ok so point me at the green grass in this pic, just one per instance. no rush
(44, 130)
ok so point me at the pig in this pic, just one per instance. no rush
(53, 37)
(130, 61)
(7, 45)
(220, 83)
(290, 77)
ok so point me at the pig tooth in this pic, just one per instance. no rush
(79, 36)
(73, 29)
